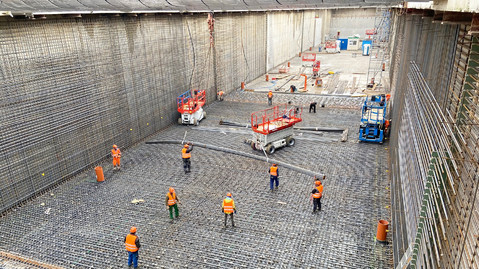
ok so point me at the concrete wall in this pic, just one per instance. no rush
(351, 21)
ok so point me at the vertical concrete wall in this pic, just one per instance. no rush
(288, 34)
(351, 21)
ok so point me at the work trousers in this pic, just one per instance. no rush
(133, 258)
(232, 220)
(175, 206)
(312, 107)
(270, 101)
(272, 179)
(316, 204)
(116, 161)
(186, 164)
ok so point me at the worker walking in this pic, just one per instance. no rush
(273, 176)
(186, 155)
(270, 98)
(132, 245)
(171, 203)
(316, 195)
(229, 208)
(312, 106)
(116, 154)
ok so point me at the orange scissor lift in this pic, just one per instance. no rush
(190, 105)
(273, 127)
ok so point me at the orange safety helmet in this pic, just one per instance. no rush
(186, 145)
(172, 190)
(275, 164)
(133, 230)
(317, 182)
(228, 194)
(115, 146)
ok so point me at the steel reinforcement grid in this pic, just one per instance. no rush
(81, 223)
(434, 144)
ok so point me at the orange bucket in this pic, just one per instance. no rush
(99, 174)
(382, 230)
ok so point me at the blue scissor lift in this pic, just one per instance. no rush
(374, 125)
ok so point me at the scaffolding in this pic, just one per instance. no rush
(379, 46)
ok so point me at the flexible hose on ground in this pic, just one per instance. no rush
(244, 154)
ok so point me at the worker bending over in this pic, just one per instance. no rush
(186, 155)
(312, 106)
(171, 203)
(229, 208)
(273, 176)
(132, 245)
(270, 98)
(116, 154)
(316, 195)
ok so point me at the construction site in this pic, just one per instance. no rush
(239, 134)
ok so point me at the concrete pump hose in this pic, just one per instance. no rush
(244, 154)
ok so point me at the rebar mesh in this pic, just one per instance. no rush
(81, 223)
(434, 143)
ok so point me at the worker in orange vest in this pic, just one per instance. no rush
(316, 195)
(132, 245)
(116, 154)
(270, 98)
(220, 95)
(186, 155)
(229, 208)
(273, 176)
(171, 203)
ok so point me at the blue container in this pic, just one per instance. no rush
(344, 44)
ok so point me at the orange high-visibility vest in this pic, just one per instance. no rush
(171, 199)
(116, 153)
(270, 94)
(319, 193)
(273, 170)
(228, 206)
(184, 154)
(130, 243)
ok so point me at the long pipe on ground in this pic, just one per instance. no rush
(306, 128)
(244, 154)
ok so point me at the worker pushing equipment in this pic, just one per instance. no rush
(116, 154)
(316, 195)
(273, 176)
(171, 203)
(270, 98)
(186, 155)
(132, 245)
(228, 208)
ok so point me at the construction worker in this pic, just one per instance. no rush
(312, 106)
(220, 95)
(293, 89)
(316, 195)
(270, 98)
(273, 176)
(132, 245)
(228, 208)
(116, 154)
(171, 203)
(186, 155)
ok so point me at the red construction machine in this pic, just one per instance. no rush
(190, 105)
(273, 127)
